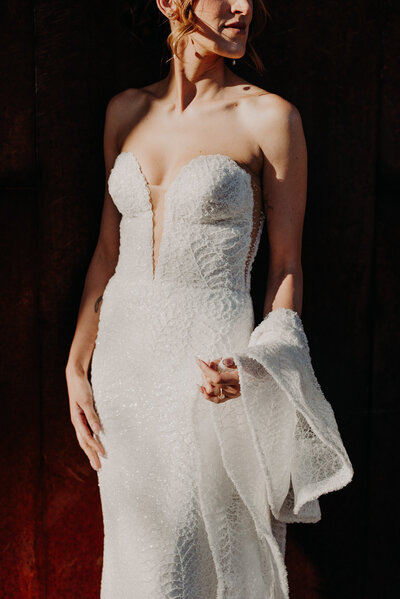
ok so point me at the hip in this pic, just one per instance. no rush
(176, 318)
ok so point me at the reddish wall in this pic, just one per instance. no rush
(337, 63)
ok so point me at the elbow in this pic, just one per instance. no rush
(279, 269)
(106, 255)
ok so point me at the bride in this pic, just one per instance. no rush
(208, 435)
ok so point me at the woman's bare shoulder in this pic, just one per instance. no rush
(266, 104)
(127, 100)
(263, 104)
(276, 108)
(124, 110)
(273, 119)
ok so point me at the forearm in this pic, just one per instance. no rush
(99, 272)
(284, 289)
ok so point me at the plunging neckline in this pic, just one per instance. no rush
(184, 167)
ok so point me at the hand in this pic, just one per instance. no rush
(84, 417)
(213, 380)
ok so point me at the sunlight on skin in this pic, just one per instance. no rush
(213, 380)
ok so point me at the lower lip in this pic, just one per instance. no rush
(237, 30)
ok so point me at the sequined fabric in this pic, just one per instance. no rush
(196, 495)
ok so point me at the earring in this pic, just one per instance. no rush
(233, 61)
(170, 14)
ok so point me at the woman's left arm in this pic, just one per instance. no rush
(281, 139)
(284, 182)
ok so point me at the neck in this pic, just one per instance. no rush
(199, 76)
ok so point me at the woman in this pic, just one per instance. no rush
(201, 460)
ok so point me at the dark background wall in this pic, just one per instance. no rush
(337, 61)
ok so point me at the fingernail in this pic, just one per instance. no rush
(228, 361)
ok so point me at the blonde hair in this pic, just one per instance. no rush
(186, 24)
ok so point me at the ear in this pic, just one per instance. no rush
(167, 7)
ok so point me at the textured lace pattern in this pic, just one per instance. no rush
(195, 495)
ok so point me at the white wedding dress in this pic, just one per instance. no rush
(196, 495)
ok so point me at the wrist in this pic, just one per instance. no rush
(75, 369)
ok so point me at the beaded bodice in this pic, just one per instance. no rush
(209, 238)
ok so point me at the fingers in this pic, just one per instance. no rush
(229, 392)
(214, 377)
(90, 445)
(91, 417)
(229, 363)
(214, 363)
(85, 418)
(208, 386)
(89, 450)
(213, 380)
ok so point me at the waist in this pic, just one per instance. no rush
(164, 317)
(161, 288)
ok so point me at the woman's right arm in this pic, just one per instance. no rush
(102, 266)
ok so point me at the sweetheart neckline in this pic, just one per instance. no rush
(184, 167)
